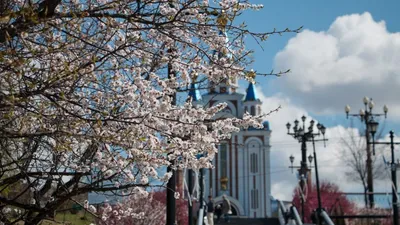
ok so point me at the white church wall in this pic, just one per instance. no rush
(240, 178)
(234, 147)
(242, 172)
(253, 146)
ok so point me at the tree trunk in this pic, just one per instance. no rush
(365, 196)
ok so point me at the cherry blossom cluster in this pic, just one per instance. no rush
(96, 83)
(236, 4)
(149, 210)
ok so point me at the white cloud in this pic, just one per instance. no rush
(356, 56)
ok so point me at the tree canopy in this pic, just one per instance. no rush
(88, 94)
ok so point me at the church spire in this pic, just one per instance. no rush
(251, 103)
(251, 94)
(226, 85)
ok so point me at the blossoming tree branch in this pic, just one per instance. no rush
(88, 95)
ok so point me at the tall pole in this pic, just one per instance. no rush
(303, 170)
(171, 185)
(304, 155)
(394, 180)
(171, 198)
(202, 189)
(317, 179)
(302, 206)
(370, 181)
(190, 207)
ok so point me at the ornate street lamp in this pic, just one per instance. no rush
(304, 135)
(310, 158)
(367, 116)
(372, 127)
(288, 125)
(291, 158)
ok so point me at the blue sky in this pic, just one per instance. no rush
(317, 17)
(313, 15)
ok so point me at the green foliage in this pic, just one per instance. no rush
(68, 218)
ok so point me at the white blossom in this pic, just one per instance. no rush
(86, 204)
(176, 195)
(94, 89)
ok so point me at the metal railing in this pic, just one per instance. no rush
(291, 216)
(200, 217)
(288, 216)
(281, 213)
(296, 216)
(326, 219)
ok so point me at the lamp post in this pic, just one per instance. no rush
(303, 136)
(372, 127)
(190, 202)
(394, 180)
(171, 185)
(319, 210)
(202, 206)
(366, 115)
(302, 178)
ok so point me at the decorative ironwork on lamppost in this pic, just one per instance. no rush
(291, 158)
(366, 116)
(372, 127)
(303, 136)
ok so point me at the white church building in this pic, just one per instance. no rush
(242, 167)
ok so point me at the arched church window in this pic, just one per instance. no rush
(223, 151)
(253, 111)
(253, 163)
(259, 110)
(245, 109)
